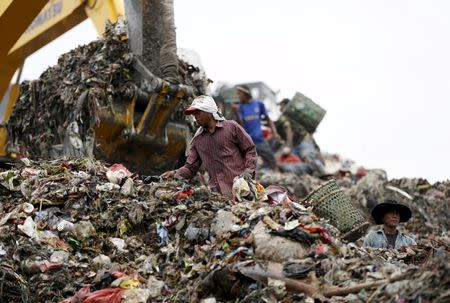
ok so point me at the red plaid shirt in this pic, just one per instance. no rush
(224, 154)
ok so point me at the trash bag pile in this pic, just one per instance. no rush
(89, 77)
(87, 231)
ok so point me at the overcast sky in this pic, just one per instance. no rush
(379, 68)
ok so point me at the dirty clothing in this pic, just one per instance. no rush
(303, 144)
(266, 153)
(378, 239)
(251, 114)
(298, 131)
(224, 154)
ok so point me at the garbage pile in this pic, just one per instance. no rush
(68, 96)
(86, 231)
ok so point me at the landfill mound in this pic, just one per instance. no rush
(84, 231)
(49, 106)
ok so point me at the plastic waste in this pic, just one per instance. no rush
(295, 234)
(225, 223)
(277, 287)
(64, 225)
(277, 249)
(277, 194)
(193, 233)
(162, 234)
(84, 230)
(60, 256)
(117, 173)
(128, 187)
(297, 269)
(155, 286)
(10, 180)
(135, 296)
(242, 190)
(119, 244)
(101, 260)
(107, 295)
(26, 208)
(28, 228)
(2, 250)
(208, 300)
(108, 187)
(126, 282)
(34, 267)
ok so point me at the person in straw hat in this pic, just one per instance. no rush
(220, 147)
(389, 213)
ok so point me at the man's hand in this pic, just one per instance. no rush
(235, 108)
(168, 174)
(246, 175)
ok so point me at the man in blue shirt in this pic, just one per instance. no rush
(249, 114)
(389, 213)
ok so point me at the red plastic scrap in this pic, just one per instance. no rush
(361, 172)
(321, 250)
(106, 295)
(118, 166)
(184, 194)
(79, 296)
(290, 158)
(324, 236)
(34, 267)
(66, 164)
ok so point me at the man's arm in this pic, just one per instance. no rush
(276, 136)
(192, 165)
(289, 134)
(189, 169)
(265, 116)
(247, 147)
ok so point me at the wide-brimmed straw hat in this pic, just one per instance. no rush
(379, 210)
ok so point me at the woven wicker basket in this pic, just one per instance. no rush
(330, 202)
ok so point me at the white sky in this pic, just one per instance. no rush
(379, 68)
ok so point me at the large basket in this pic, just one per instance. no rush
(330, 202)
(304, 111)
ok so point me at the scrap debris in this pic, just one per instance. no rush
(61, 109)
(82, 231)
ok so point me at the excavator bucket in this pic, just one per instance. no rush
(141, 132)
(142, 127)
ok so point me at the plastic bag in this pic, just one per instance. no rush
(248, 190)
(107, 295)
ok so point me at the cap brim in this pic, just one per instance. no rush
(190, 110)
